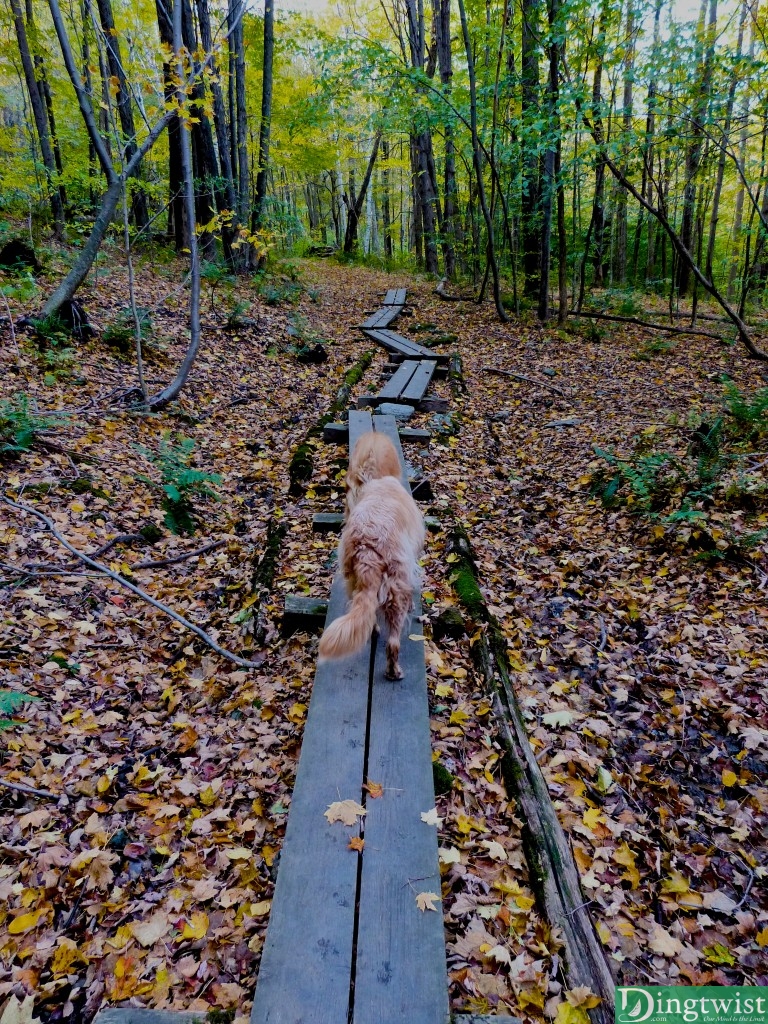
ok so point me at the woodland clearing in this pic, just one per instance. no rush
(641, 666)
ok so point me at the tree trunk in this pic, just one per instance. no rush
(45, 92)
(40, 118)
(620, 265)
(160, 400)
(442, 23)
(386, 213)
(724, 144)
(123, 99)
(354, 203)
(702, 91)
(266, 113)
(477, 157)
(530, 213)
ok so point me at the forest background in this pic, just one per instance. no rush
(222, 190)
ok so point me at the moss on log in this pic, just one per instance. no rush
(553, 873)
(302, 463)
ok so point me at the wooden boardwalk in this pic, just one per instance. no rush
(408, 384)
(400, 347)
(346, 941)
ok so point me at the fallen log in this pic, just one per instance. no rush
(645, 324)
(440, 290)
(520, 376)
(553, 873)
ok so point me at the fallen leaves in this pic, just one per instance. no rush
(427, 901)
(345, 811)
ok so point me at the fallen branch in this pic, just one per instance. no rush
(645, 323)
(160, 562)
(244, 663)
(553, 872)
(19, 787)
(520, 376)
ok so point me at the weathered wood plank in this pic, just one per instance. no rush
(401, 969)
(397, 343)
(381, 318)
(303, 614)
(332, 522)
(338, 433)
(359, 423)
(395, 297)
(399, 381)
(134, 1015)
(419, 382)
(314, 902)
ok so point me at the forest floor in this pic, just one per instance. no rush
(637, 643)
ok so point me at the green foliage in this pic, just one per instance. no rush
(19, 426)
(749, 415)
(693, 491)
(10, 701)
(120, 334)
(180, 483)
(653, 348)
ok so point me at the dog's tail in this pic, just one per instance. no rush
(349, 633)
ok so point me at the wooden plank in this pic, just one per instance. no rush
(303, 614)
(359, 423)
(419, 382)
(135, 1015)
(397, 343)
(334, 521)
(381, 318)
(314, 903)
(338, 433)
(394, 342)
(388, 425)
(399, 381)
(395, 297)
(401, 970)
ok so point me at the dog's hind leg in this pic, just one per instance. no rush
(396, 609)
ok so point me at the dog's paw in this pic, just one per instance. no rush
(394, 671)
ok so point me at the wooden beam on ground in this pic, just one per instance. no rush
(401, 967)
(396, 343)
(381, 318)
(315, 894)
(338, 433)
(416, 387)
(303, 614)
(395, 297)
(388, 425)
(332, 522)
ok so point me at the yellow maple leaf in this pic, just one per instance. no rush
(196, 925)
(762, 938)
(426, 901)
(624, 856)
(568, 1014)
(345, 811)
(592, 818)
(729, 778)
(374, 789)
(356, 843)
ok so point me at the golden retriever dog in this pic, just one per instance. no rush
(374, 456)
(380, 546)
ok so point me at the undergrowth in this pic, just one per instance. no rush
(180, 483)
(19, 426)
(705, 495)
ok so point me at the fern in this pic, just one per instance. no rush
(750, 415)
(19, 427)
(10, 701)
(180, 482)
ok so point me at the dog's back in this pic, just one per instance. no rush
(378, 554)
(373, 457)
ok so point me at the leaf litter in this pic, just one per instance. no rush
(641, 673)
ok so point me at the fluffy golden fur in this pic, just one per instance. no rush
(380, 546)
(374, 457)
